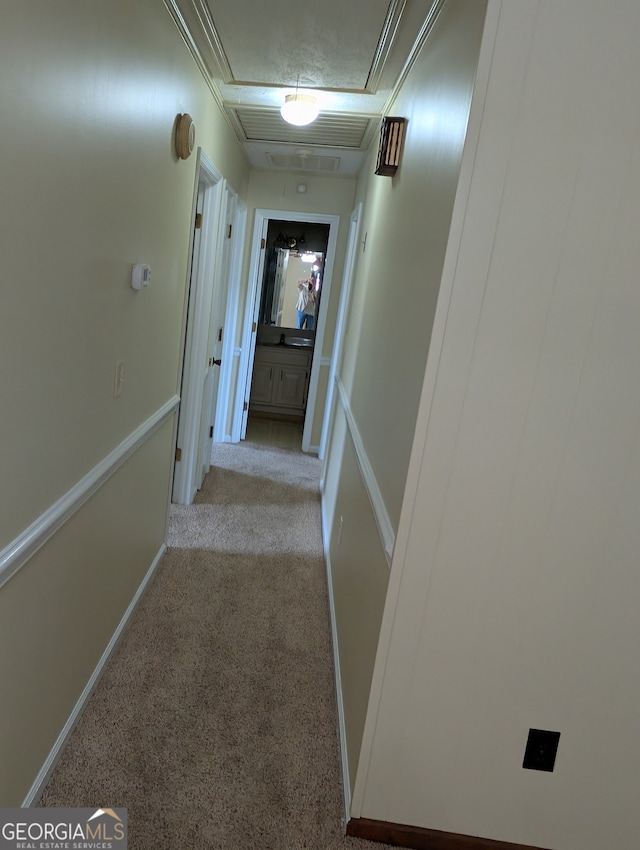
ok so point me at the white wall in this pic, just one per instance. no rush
(406, 221)
(90, 185)
(514, 592)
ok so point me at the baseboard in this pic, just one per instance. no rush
(342, 730)
(56, 751)
(420, 838)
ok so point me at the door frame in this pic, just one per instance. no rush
(196, 326)
(250, 323)
(353, 241)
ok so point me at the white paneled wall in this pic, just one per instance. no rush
(515, 588)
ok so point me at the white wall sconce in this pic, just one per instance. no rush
(391, 136)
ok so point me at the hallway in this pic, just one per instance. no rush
(215, 721)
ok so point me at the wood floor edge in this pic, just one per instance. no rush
(420, 838)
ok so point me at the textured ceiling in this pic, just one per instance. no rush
(351, 54)
(292, 43)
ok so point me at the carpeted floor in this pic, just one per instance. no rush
(214, 723)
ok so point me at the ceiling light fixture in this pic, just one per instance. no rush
(299, 109)
(294, 243)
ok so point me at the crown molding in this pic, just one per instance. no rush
(183, 28)
(419, 43)
(215, 44)
(387, 37)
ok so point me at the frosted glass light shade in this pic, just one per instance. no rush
(299, 109)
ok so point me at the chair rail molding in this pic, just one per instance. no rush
(23, 547)
(385, 529)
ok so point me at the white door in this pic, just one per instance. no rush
(251, 324)
(199, 378)
(216, 332)
(230, 353)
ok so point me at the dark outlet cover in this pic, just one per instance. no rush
(540, 753)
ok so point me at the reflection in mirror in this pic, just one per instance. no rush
(292, 294)
(292, 283)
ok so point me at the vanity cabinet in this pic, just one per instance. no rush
(280, 380)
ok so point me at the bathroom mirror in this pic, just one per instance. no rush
(292, 281)
(291, 295)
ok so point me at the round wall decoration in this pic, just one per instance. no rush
(185, 136)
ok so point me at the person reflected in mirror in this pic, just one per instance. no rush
(306, 305)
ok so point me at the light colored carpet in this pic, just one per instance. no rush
(215, 721)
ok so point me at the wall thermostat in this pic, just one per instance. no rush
(140, 276)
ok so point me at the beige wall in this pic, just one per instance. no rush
(318, 413)
(58, 613)
(324, 196)
(514, 591)
(360, 574)
(90, 186)
(406, 220)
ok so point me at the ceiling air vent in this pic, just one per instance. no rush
(323, 164)
(329, 129)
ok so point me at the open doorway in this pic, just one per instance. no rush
(290, 298)
(278, 377)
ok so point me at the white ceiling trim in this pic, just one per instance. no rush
(175, 12)
(390, 28)
(387, 36)
(215, 44)
(419, 43)
(347, 130)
